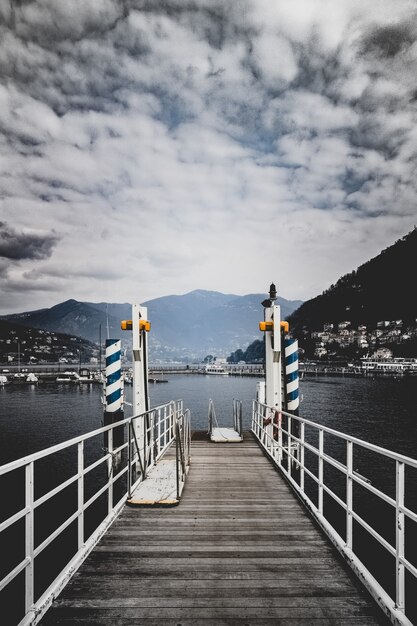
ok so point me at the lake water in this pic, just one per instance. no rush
(380, 410)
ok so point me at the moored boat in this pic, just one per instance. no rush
(216, 369)
(68, 377)
(396, 365)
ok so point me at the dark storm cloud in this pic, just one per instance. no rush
(388, 41)
(16, 246)
(77, 58)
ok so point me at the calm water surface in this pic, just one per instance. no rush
(381, 410)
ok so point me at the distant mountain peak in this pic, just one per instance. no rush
(188, 326)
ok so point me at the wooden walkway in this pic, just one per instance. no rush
(239, 549)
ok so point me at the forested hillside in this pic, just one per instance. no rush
(384, 288)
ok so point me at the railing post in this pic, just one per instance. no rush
(279, 425)
(177, 463)
(152, 438)
(321, 473)
(29, 537)
(158, 446)
(302, 438)
(349, 494)
(171, 421)
(80, 493)
(144, 417)
(164, 428)
(129, 459)
(399, 537)
(110, 471)
(289, 460)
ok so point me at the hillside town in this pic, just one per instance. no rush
(390, 337)
(33, 345)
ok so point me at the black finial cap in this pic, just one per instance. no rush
(273, 292)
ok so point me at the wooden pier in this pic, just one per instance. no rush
(239, 549)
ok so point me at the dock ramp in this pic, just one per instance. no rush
(164, 476)
(222, 434)
(240, 549)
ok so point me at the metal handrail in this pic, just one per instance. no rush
(237, 416)
(159, 420)
(211, 416)
(182, 448)
(287, 450)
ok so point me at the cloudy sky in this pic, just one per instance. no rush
(154, 147)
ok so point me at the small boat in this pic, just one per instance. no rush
(19, 377)
(31, 378)
(68, 377)
(157, 380)
(85, 376)
(3, 380)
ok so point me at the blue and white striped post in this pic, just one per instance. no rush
(113, 411)
(291, 376)
(114, 398)
(291, 391)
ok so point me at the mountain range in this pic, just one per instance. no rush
(183, 327)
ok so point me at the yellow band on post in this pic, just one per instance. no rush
(128, 325)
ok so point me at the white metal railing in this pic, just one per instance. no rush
(287, 447)
(163, 424)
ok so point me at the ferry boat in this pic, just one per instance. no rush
(397, 365)
(216, 369)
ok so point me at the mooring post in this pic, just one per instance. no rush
(292, 399)
(140, 326)
(273, 389)
(113, 411)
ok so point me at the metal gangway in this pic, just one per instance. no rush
(223, 434)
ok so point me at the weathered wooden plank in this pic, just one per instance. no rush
(214, 612)
(118, 566)
(97, 591)
(227, 541)
(102, 620)
(316, 605)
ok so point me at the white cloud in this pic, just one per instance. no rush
(274, 58)
(194, 147)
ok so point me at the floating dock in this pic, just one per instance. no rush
(225, 435)
(239, 549)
